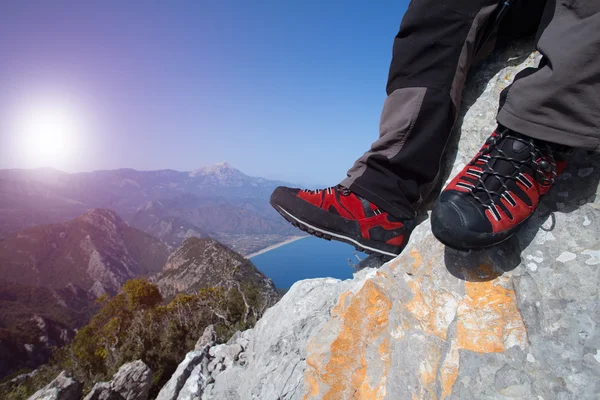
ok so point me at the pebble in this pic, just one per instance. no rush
(532, 266)
(594, 257)
(566, 256)
(586, 221)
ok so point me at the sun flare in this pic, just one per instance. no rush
(48, 132)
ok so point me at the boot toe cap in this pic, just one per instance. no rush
(459, 223)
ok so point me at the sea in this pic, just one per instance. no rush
(307, 258)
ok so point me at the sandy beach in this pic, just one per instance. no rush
(274, 246)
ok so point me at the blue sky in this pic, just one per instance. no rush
(281, 89)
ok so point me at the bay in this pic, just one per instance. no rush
(307, 258)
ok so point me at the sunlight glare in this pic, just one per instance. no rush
(48, 132)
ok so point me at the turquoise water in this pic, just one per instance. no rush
(307, 258)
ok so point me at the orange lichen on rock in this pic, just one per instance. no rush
(428, 370)
(340, 308)
(418, 261)
(364, 322)
(312, 385)
(433, 308)
(449, 370)
(488, 318)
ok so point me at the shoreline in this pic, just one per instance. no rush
(276, 245)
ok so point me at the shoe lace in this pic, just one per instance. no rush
(343, 190)
(537, 151)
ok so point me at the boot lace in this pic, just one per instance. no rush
(343, 190)
(541, 159)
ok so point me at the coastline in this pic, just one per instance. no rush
(276, 245)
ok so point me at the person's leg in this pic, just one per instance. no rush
(373, 209)
(432, 54)
(559, 101)
(543, 111)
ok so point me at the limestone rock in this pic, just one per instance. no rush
(195, 376)
(208, 338)
(194, 384)
(519, 320)
(63, 387)
(131, 382)
(102, 391)
(172, 388)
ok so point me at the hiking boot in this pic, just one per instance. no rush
(336, 213)
(497, 191)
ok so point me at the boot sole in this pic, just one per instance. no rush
(328, 235)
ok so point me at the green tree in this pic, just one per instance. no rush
(142, 294)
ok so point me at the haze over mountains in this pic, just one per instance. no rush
(218, 201)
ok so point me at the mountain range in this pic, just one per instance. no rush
(96, 251)
(218, 201)
(51, 275)
(67, 239)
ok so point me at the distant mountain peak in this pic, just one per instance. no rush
(102, 217)
(219, 169)
(224, 164)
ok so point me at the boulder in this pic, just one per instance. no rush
(194, 386)
(172, 388)
(519, 320)
(63, 387)
(195, 376)
(131, 382)
(278, 343)
(208, 338)
(102, 391)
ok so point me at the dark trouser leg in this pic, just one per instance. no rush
(560, 100)
(431, 57)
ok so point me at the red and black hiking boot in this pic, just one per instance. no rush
(497, 191)
(338, 214)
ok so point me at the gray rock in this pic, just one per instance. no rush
(226, 387)
(278, 344)
(208, 338)
(103, 391)
(216, 351)
(193, 387)
(231, 353)
(235, 337)
(212, 365)
(519, 320)
(131, 382)
(63, 387)
(172, 388)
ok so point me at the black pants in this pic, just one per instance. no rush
(438, 41)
